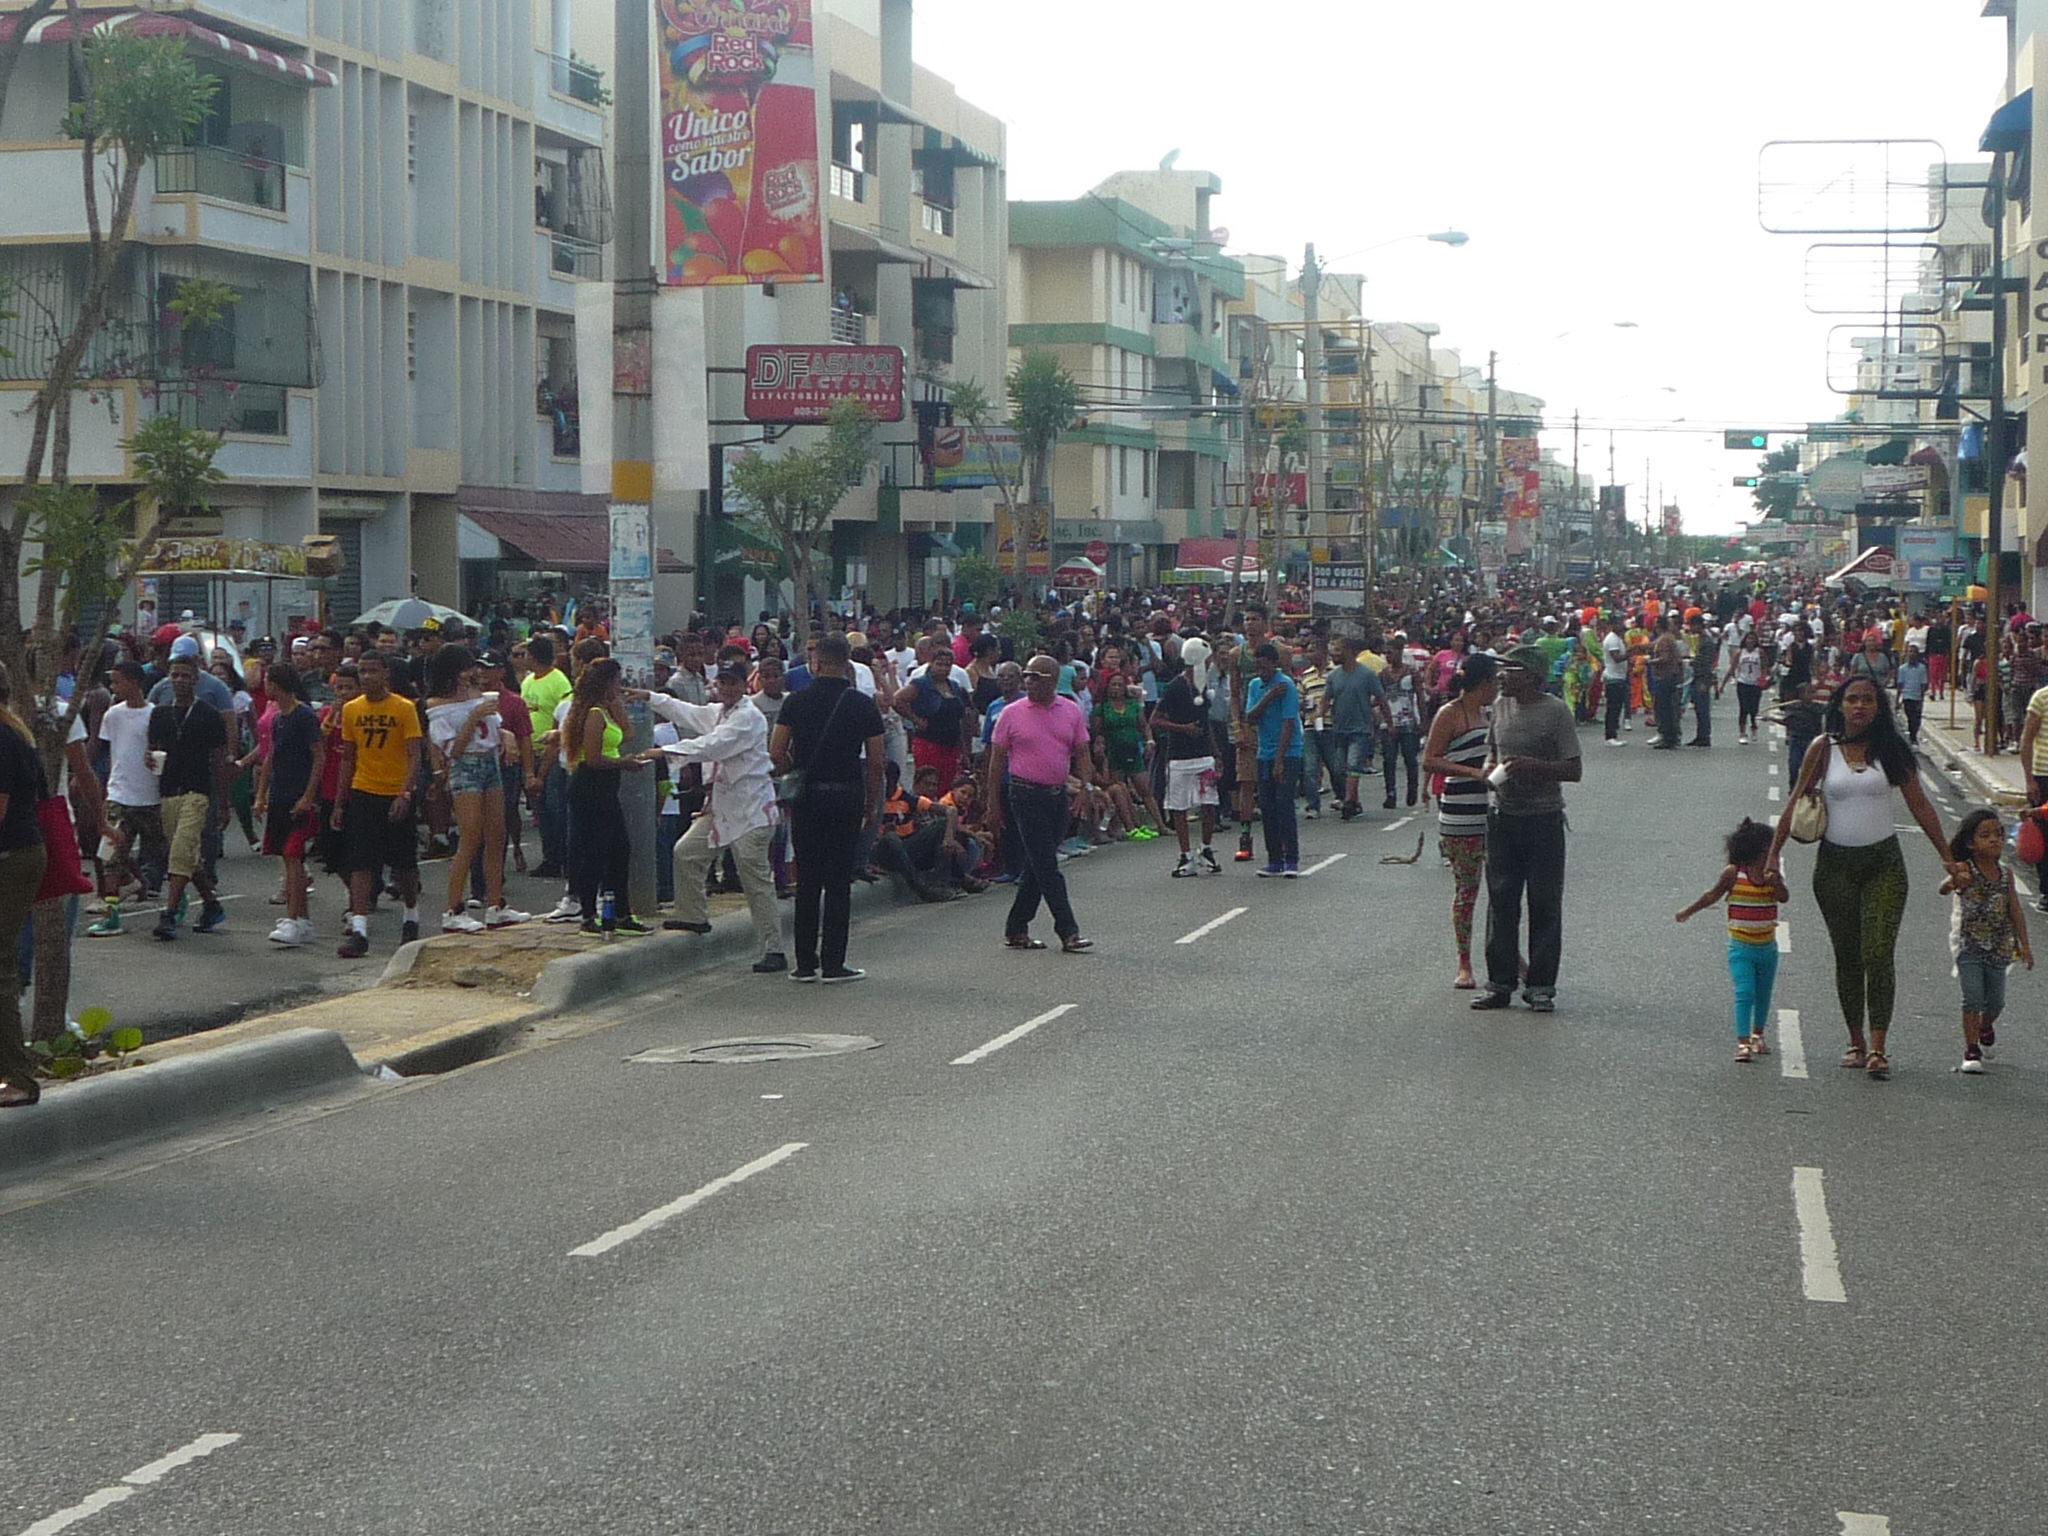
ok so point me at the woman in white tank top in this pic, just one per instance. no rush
(1859, 874)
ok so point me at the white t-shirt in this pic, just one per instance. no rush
(1614, 659)
(125, 730)
(445, 720)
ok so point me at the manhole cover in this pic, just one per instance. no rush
(756, 1048)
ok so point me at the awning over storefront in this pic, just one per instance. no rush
(936, 148)
(847, 90)
(1872, 568)
(2011, 127)
(57, 29)
(553, 538)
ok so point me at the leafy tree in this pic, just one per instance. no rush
(1777, 493)
(974, 410)
(976, 579)
(790, 499)
(1044, 401)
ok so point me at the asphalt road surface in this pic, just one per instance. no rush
(1263, 1232)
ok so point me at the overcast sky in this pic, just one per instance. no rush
(1602, 154)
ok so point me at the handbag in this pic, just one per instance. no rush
(1807, 821)
(790, 788)
(2031, 845)
(62, 874)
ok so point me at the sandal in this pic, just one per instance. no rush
(1878, 1066)
(1853, 1058)
(1758, 1046)
(1022, 941)
(1074, 944)
(1464, 983)
(1742, 1050)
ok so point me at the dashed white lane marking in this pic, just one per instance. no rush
(1010, 1037)
(1322, 864)
(1212, 925)
(1791, 1044)
(663, 1214)
(1820, 1272)
(1395, 826)
(1863, 1525)
(1772, 793)
(1784, 937)
(131, 1484)
(1774, 770)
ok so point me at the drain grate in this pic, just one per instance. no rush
(749, 1049)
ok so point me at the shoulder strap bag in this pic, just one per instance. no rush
(1808, 817)
(789, 789)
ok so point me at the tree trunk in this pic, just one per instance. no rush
(800, 577)
(52, 969)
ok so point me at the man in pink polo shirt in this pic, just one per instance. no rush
(1038, 758)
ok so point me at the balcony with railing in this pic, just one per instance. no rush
(231, 175)
(936, 218)
(569, 97)
(851, 328)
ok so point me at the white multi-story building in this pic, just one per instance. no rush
(404, 196)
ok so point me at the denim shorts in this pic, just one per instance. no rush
(1983, 982)
(1354, 750)
(473, 773)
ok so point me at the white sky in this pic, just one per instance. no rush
(1602, 154)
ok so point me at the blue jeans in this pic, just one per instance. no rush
(1279, 782)
(1406, 742)
(1753, 968)
(1983, 982)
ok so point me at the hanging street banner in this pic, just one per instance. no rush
(1521, 482)
(798, 384)
(739, 143)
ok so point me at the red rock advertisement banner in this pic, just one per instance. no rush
(1521, 483)
(739, 143)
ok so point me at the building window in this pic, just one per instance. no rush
(1145, 471)
(412, 334)
(1120, 279)
(1123, 471)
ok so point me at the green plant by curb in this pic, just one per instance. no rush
(88, 1038)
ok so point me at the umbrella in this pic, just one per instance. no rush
(413, 613)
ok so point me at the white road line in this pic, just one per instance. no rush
(1323, 864)
(1772, 794)
(131, 1484)
(1784, 937)
(1010, 1037)
(1211, 926)
(1774, 770)
(1791, 1044)
(666, 1213)
(1395, 826)
(1863, 1525)
(1820, 1273)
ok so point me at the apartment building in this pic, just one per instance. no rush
(404, 196)
(1129, 289)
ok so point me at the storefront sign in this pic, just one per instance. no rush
(1885, 479)
(1264, 486)
(800, 384)
(739, 143)
(192, 556)
(1955, 579)
(1922, 552)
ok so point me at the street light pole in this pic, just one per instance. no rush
(1312, 412)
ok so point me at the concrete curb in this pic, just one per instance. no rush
(1970, 769)
(80, 1119)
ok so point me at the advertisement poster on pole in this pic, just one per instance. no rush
(1521, 481)
(739, 143)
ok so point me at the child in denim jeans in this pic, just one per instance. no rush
(1987, 928)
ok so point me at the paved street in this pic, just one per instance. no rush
(1264, 1233)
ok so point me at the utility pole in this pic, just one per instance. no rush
(1312, 413)
(1490, 496)
(1369, 508)
(1575, 508)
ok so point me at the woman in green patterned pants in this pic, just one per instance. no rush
(1859, 877)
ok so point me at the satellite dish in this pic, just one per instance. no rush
(1166, 163)
(1219, 238)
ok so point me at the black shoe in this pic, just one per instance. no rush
(677, 925)
(1662, 746)
(211, 916)
(593, 927)
(354, 946)
(408, 932)
(166, 928)
(770, 963)
(1486, 1001)
(845, 973)
(1387, 804)
(803, 975)
(631, 927)
(1351, 812)
(547, 869)
(1699, 743)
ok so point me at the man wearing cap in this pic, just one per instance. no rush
(1533, 748)
(730, 740)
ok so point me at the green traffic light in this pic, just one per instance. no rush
(1746, 440)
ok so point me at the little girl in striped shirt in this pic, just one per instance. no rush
(1753, 901)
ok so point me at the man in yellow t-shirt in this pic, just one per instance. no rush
(376, 811)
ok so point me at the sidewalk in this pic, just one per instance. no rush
(1991, 780)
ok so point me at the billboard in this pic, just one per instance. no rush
(1338, 584)
(1922, 552)
(966, 460)
(1264, 485)
(739, 143)
(799, 384)
(1520, 480)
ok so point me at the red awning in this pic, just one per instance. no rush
(57, 29)
(1214, 554)
(561, 541)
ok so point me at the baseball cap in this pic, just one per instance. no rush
(1529, 658)
(166, 634)
(734, 672)
(185, 648)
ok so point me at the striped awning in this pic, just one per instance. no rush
(57, 29)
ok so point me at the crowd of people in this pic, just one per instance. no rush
(955, 751)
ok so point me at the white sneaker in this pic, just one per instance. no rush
(291, 932)
(505, 917)
(1971, 1065)
(460, 922)
(567, 910)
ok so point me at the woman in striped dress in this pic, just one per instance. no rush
(1456, 749)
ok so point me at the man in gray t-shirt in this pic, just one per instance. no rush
(1535, 740)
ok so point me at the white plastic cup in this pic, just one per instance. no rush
(1498, 776)
(156, 757)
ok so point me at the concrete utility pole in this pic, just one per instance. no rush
(1312, 413)
(1490, 493)
(1369, 518)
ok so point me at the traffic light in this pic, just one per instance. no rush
(1747, 482)
(1746, 440)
